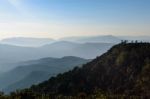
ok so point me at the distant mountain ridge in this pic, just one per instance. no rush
(40, 69)
(27, 42)
(36, 42)
(12, 55)
(93, 39)
(34, 77)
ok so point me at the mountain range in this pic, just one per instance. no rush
(106, 39)
(27, 42)
(37, 42)
(33, 72)
(16, 50)
(93, 39)
(11, 56)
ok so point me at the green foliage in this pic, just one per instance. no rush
(121, 58)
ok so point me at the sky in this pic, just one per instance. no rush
(63, 18)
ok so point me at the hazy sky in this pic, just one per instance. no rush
(59, 18)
